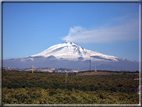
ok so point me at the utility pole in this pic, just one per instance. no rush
(90, 64)
(32, 68)
(95, 69)
(66, 77)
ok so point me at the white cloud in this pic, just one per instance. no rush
(123, 32)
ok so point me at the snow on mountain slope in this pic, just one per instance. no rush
(72, 51)
(72, 56)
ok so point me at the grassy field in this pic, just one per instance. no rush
(44, 88)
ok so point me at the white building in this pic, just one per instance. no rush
(75, 71)
(50, 71)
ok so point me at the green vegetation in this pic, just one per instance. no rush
(45, 88)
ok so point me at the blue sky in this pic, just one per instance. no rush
(108, 28)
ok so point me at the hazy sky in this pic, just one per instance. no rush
(108, 28)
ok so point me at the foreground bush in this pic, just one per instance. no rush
(45, 88)
(59, 96)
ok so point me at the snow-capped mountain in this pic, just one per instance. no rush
(72, 51)
(72, 56)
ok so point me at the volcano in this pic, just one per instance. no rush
(72, 51)
(72, 56)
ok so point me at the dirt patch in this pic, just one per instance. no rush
(96, 73)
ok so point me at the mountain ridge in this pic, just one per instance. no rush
(72, 56)
(71, 51)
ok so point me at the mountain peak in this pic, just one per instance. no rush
(72, 51)
(71, 55)
(69, 43)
